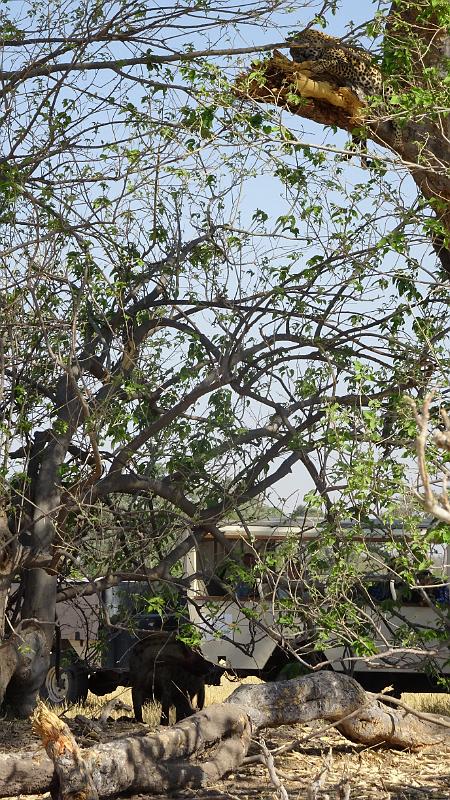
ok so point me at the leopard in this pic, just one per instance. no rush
(345, 64)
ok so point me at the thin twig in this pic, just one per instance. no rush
(318, 782)
(269, 762)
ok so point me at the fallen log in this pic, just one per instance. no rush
(155, 762)
(24, 773)
(199, 750)
(332, 696)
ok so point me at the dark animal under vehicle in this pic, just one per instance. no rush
(166, 670)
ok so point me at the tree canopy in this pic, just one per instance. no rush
(200, 295)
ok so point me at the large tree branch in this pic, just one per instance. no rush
(199, 750)
(423, 145)
(115, 482)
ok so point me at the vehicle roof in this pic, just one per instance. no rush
(308, 527)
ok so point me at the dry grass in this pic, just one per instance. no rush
(151, 711)
(217, 694)
(430, 702)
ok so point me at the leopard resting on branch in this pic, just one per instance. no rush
(344, 64)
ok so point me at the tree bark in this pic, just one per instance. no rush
(10, 552)
(332, 696)
(8, 664)
(23, 661)
(157, 762)
(39, 603)
(25, 773)
(406, 24)
(200, 749)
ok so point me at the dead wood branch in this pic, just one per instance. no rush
(445, 723)
(267, 759)
(23, 773)
(201, 748)
(90, 724)
(331, 696)
(317, 783)
(74, 778)
(157, 762)
(116, 704)
(344, 790)
(289, 746)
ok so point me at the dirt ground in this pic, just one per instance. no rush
(375, 773)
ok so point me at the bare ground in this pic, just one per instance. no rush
(370, 773)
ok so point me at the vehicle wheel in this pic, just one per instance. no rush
(71, 688)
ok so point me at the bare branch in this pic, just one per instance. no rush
(437, 506)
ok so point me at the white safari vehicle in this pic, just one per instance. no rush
(246, 628)
(242, 630)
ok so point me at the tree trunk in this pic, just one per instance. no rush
(9, 555)
(332, 696)
(24, 659)
(39, 579)
(180, 756)
(427, 144)
(8, 664)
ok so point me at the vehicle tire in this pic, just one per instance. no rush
(71, 688)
